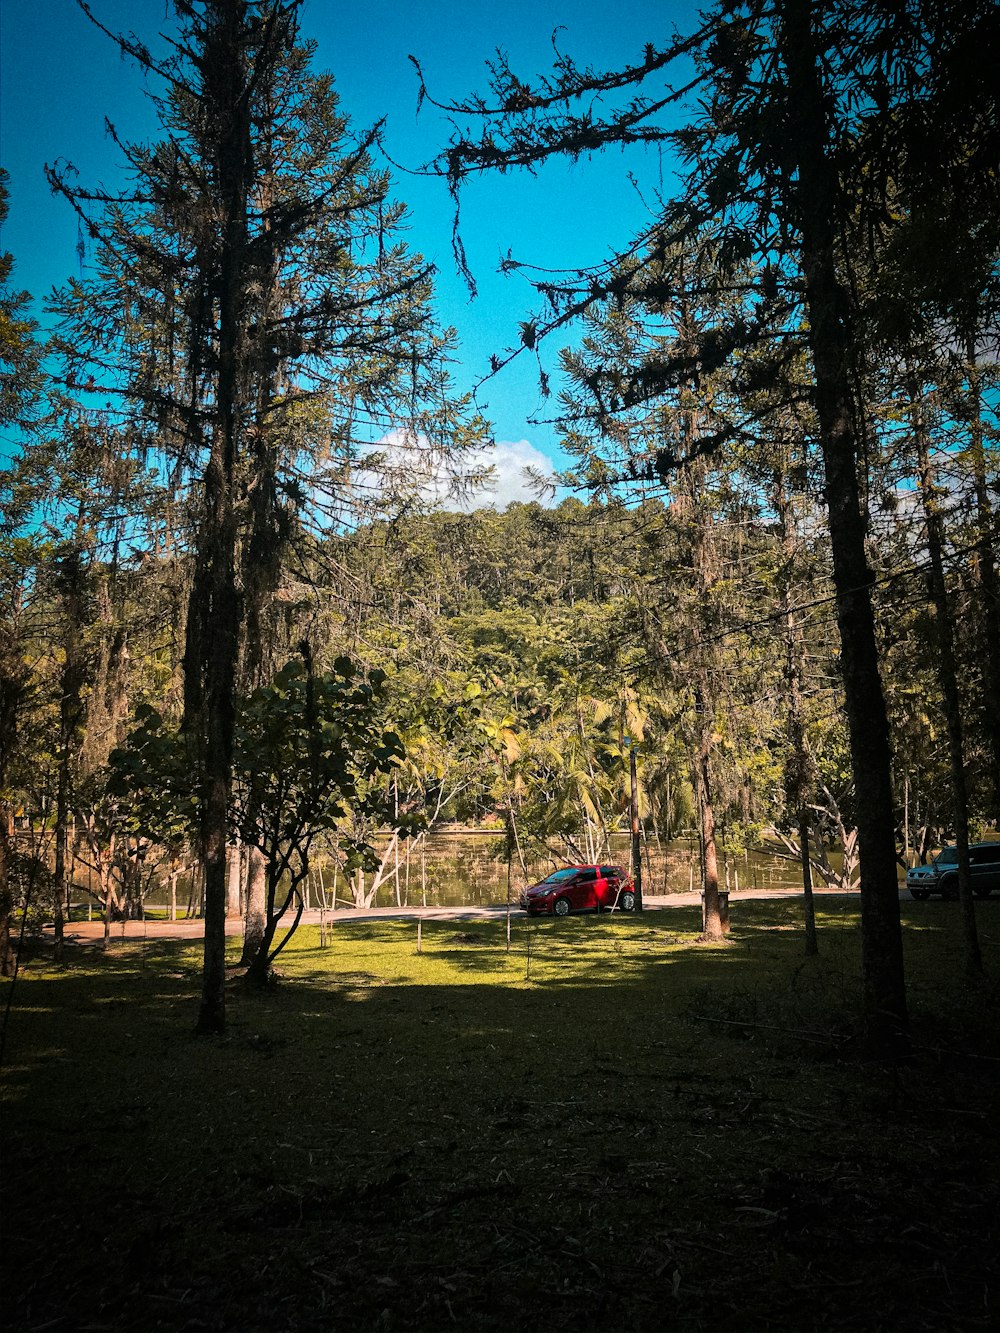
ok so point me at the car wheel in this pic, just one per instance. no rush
(921, 895)
(561, 907)
(949, 888)
(626, 902)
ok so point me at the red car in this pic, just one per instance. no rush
(579, 888)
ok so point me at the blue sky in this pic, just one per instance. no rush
(60, 77)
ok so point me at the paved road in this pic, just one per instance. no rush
(193, 929)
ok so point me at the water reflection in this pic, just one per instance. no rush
(470, 869)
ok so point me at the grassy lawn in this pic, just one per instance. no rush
(611, 1127)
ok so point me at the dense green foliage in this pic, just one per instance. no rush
(522, 648)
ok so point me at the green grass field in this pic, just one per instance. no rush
(610, 1127)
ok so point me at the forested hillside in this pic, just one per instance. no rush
(525, 652)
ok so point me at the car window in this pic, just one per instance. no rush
(588, 876)
(949, 857)
(560, 876)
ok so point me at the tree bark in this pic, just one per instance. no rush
(832, 343)
(256, 913)
(258, 972)
(7, 953)
(235, 879)
(798, 769)
(215, 612)
(172, 875)
(989, 584)
(636, 846)
(948, 680)
(107, 895)
(809, 905)
(713, 926)
(213, 620)
(71, 680)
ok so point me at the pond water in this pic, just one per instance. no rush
(469, 869)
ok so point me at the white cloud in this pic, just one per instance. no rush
(513, 462)
(409, 466)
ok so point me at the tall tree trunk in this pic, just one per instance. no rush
(12, 693)
(948, 679)
(235, 880)
(107, 897)
(832, 343)
(61, 841)
(7, 954)
(210, 667)
(714, 927)
(989, 583)
(71, 681)
(704, 653)
(812, 941)
(798, 769)
(172, 876)
(258, 972)
(255, 921)
(132, 882)
(215, 611)
(634, 824)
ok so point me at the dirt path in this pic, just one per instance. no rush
(82, 931)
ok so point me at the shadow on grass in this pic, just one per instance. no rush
(623, 1129)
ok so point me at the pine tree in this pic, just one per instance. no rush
(255, 320)
(809, 120)
(21, 385)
